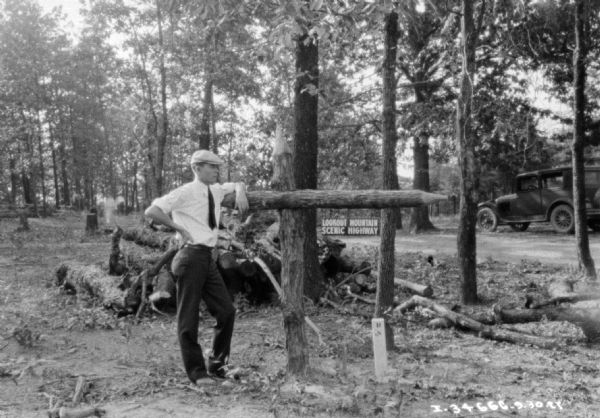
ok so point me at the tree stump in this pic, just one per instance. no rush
(91, 223)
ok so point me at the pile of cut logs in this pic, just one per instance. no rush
(580, 307)
(139, 277)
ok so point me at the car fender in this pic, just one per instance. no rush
(488, 204)
(554, 204)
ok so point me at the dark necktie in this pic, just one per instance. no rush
(212, 222)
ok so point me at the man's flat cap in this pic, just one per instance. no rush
(205, 156)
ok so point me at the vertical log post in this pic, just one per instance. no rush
(385, 281)
(293, 243)
(468, 163)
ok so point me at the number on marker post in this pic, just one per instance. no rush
(379, 347)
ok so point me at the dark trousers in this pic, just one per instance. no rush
(197, 277)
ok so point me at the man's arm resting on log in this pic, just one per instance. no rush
(157, 215)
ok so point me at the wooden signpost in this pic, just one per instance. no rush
(295, 257)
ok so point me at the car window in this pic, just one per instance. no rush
(528, 183)
(592, 178)
(552, 181)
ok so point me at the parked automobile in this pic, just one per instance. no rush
(543, 196)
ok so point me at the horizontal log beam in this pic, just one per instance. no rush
(337, 199)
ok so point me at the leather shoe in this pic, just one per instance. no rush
(202, 378)
(217, 369)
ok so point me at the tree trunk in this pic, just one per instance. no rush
(42, 169)
(586, 263)
(467, 161)
(213, 126)
(304, 155)
(27, 192)
(293, 240)
(204, 134)
(164, 121)
(14, 180)
(386, 262)
(54, 168)
(419, 218)
(66, 195)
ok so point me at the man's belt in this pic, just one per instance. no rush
(198, 247)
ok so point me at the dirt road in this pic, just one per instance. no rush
(540, 244)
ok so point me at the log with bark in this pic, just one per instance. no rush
(562, 291)
(158, 275)
(588, 319)
(336, 199)
(164, 291)
(415, 288)
(147, 237)
(92, 283)
(464, 322)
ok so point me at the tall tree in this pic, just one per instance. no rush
(579, 201)
(468, 164)
(305, 149)
(385, 281)
(425, 64)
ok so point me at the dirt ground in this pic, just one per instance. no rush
(48, 339)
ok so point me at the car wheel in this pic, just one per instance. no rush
(487, 220)
(563, 219)
(520, 227)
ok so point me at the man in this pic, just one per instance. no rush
(195, 208)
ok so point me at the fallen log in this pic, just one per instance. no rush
(587, 319)
(147, 237)
(361, 280)
(76, 413)
(92, 283)
(348, 265)
(353, 295)
(247, 269)
(81, 387)
(562, 291)
(229, 268)
(464, 322)
(415, 288)
(164, 260)
(226, 260)
(336, 199)
(418, 289)
(164, 290)
(163, 285)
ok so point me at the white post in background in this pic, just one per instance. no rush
(379, 348)
(110, 207)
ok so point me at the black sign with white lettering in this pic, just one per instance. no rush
(350, 226)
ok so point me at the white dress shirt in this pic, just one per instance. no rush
(188, 205)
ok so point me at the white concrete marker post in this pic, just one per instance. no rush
(379, 348)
